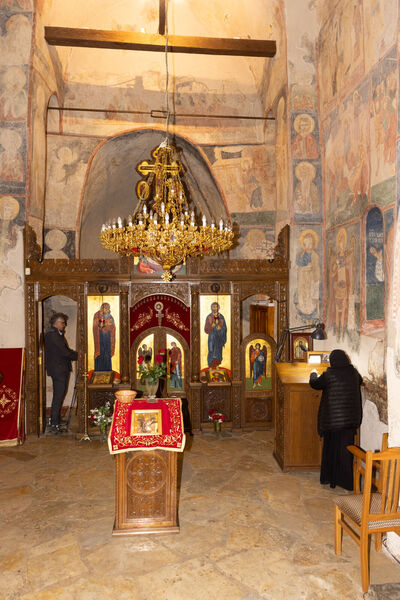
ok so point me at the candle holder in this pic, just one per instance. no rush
(85, 436)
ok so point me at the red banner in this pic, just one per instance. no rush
(11, 402)
(165, 413)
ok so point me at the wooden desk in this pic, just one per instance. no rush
(297, 446)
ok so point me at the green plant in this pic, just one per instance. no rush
(152, 371)
(101, 416)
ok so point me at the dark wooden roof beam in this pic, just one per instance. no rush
(126, 40)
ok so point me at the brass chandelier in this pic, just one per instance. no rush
(163, 227)
(166, 230)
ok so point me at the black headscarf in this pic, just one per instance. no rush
(338, 359)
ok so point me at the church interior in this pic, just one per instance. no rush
(273, 129)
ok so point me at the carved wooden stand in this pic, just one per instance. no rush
(146, 493)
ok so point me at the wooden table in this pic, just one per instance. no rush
(297, 446)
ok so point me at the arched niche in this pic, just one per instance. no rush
(111, 181)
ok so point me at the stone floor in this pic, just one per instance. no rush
(248, 531)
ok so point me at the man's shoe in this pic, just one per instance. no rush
(54, 430)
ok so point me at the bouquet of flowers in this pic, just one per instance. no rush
(152, 371)
(214, 415)
(101, 416)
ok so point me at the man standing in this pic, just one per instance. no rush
(58, 365)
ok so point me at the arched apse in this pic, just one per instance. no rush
(111, 181)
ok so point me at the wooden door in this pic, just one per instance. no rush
(262, 319)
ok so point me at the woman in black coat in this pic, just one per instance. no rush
(339, 416)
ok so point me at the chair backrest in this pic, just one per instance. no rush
(359, 468)
(386, 464)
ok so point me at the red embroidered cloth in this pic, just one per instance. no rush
(170, 421)
(11, 390)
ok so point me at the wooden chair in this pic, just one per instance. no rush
(375, 509)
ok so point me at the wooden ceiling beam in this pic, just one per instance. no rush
(126, 40)
(161, 17)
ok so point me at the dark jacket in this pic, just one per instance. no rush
(57, 355)
(340, 406)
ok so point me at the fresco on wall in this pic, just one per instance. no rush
(254, 242)
(308, 273)
(59, 243)
(379, 29)
(282, 157)
(15, 38)
(67, 163)
(303, 97)
(247, 175)
(38, 147)
(388, 254)
(307, 193)
(12, 158)
(304, 137)
(346, 135)
(13, 93)
(374, 266)
(275, 74)
(9, 211)
(384, 119)
(343, 283)
(341, 51)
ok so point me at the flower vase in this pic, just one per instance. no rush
(151, 389)
(103, 433)
(217, 426)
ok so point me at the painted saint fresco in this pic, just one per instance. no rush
(343, 284)
(384, 121)
(388, 254)
(258, 365)
(215, 343)
(306, 202)
(13, 94)
(341, 51)
(308, 266)
(10, 279)
(103, 333)
(282, 157)
(346, 134)
(68, 160)
(304, 143)
(374, 266)
(254, 242)
(247, 175)
(176, 365)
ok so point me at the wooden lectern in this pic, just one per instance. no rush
(146, 493)
(297, 446)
